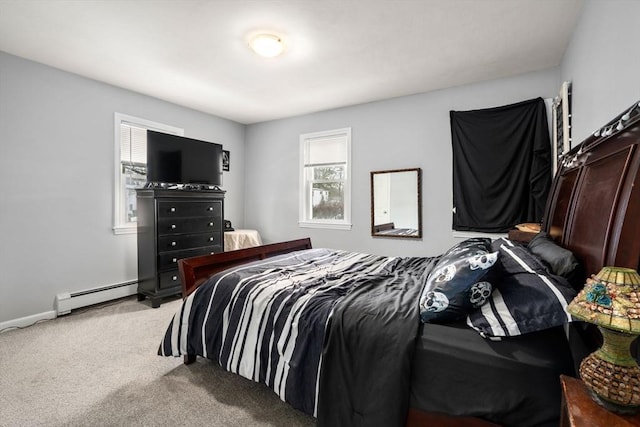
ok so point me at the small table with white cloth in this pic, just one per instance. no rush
(240, 239)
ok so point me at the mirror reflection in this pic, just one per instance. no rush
(396, 203)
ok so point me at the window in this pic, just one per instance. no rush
(131, 166)
(325, 183)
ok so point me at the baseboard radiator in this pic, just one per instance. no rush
(65, 302)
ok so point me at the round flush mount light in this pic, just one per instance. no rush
(267, 45)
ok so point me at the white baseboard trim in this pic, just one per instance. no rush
(23, 322)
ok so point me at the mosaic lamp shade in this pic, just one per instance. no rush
(611, 300)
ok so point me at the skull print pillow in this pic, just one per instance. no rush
(459, 282)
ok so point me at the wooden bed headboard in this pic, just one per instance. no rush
(593, 207)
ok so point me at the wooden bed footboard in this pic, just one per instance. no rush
(194, 271)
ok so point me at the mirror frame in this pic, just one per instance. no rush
(418, 172)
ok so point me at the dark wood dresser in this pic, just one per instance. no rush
(174, 224)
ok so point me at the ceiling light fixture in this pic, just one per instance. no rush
(267, 45)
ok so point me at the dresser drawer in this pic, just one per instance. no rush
(169, 279)
(188, 241)
(168, 226)
(168, 260)
(182, 208)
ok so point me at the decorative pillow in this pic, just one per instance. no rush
(457, 284)
(561, 261)
(528, 297)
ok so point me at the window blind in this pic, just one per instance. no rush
(133, 145)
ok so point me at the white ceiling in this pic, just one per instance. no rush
(339, 52)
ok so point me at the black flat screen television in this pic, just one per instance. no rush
(175, 159)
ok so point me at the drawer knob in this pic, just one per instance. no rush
(173, 226)
(174, 278)
(173, 243)
(210, 208)
(211, 239)
(211, 224)
(174, 260)
(172, 210)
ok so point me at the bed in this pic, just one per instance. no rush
(338, 334)
(389, 229)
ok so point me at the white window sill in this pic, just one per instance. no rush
(125, 229)
(325, 225)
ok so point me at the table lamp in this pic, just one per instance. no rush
(611, 300)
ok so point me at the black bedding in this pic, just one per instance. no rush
(513, 382)
(367, 360)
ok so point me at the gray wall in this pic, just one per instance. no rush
(56, 172)
(603, 62)
(411, 131)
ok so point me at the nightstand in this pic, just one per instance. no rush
(520, 236)
(579, 409)
(524, 232)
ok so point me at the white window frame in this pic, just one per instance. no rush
(305, 219)
(120, 226)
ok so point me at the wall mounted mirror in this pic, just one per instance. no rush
(396, 203)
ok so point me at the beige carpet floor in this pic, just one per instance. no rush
(98, 367)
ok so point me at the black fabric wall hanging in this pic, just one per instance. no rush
(501, 166)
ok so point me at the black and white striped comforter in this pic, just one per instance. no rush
(268, 321)
(399, 232)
